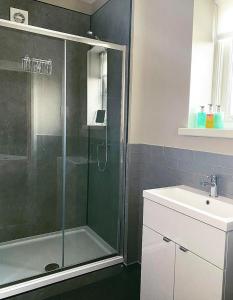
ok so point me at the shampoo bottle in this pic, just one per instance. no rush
(218, 118)
(201, 118)
(210, 117)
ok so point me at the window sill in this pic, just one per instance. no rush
(211, 133)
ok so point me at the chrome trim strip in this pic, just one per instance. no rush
(57, 277)
(60, 35)
(123, 153)
(64, 110)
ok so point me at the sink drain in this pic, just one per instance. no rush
(51, 267)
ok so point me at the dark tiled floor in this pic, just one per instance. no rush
(124, 286)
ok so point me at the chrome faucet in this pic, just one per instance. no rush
(213, 183)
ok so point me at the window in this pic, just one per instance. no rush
(212, 59)
(97, 73)
(222, 90)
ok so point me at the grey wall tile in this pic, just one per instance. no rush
(48, 16)
(176, 154)
(134, 203)
(225, 161)
(112, 22)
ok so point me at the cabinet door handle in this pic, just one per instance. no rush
(183, 249)
(167, 240)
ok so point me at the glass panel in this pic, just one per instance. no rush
(94, 77)
(31, 77)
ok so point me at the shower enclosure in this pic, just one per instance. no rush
(62, 156)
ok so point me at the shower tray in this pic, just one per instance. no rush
(28, 257)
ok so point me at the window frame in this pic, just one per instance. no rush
(222, 85)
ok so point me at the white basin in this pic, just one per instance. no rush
(217, 212)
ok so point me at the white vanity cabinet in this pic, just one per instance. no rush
(157, 266)
(184, 258)
(195, 278)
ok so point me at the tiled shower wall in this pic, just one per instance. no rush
(155, 166)
(110, 23)
(48, 16)
(32, 204)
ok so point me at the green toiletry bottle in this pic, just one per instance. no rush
(218, 118)
(201, 118)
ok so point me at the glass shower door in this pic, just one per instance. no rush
(60, 154)
(31, 128)
(93, 153)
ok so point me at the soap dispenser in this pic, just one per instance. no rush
(201, 118)
(218, 118)
(210, 117)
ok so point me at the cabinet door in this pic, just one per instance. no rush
(195, 278)
(158, 262)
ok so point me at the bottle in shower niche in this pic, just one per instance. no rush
(210, 117)
(218, 118)
(201, 118)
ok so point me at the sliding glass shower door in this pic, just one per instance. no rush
(31, 123)
(61, 154)
(93, 153)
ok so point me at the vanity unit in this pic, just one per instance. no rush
(187, 250)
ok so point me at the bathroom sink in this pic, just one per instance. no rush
(217, 212)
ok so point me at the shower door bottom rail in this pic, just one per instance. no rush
(33, 284)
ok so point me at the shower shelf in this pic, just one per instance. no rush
(12, 157)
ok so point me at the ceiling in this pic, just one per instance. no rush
(85, 6)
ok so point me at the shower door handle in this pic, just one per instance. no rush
(167, 240)
(183, 249)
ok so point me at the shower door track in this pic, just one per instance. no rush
(62, 275)
(60, 35)
(58, 277)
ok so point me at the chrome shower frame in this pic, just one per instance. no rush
(62, 275)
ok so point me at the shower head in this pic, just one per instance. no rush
(91, 35)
